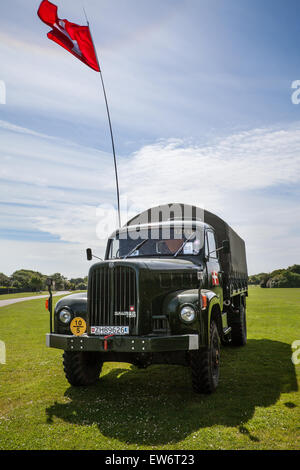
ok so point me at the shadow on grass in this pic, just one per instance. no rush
(157, 406)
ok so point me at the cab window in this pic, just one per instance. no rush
(164, 241)
(211, 244)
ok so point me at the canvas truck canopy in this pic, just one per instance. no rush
(233, 263)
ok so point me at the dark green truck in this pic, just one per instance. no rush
(171, 289)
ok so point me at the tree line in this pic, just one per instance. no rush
(34, 281)
(289, 277)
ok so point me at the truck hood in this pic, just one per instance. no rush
(171, 264)
(158, 264)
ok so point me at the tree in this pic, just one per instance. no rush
(289, 279)
(295, 268)
(59, 280)
(16, 285)
(79, 283)
(264, 281)
(254, 280)
(24, 278)
(76, 281)
(69, 285)
(81, 286)
(36, 283)
(4, 280)
(277, 272)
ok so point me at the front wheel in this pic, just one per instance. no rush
(205, 364)
(82, 367)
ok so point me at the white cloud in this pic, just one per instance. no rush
(48, 258)
(250, 179)
(47, 161)
(172, 170)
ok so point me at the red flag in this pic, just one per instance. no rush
(72, 37)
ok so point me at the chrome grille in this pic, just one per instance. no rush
(112, 296)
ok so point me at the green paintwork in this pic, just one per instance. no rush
(165, 285)
(133, 344)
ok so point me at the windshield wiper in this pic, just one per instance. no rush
(139, 245)
(184, 243)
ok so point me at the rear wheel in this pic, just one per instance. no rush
(205, 364)
(239, 328)
(82, 367)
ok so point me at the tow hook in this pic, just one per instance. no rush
(105, 341)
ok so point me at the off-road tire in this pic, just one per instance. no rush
(239, 329)
(82, 367)
(205, 364)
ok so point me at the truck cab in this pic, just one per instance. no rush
(167, 292)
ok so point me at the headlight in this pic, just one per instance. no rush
(65, 316)
(188, 314)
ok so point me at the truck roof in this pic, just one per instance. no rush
(233, 263)
(156, 225)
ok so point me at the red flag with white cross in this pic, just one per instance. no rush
(72, 37)
(215, 278)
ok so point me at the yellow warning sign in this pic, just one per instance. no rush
(78, 326)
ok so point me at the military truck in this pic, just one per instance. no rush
(171, 289)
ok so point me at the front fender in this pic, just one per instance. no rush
(205, 316)
(201, 325)
(77, 304)
(172, 305)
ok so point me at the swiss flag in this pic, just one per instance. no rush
(215, 278)
(72, 37)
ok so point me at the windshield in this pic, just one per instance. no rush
(177, 242)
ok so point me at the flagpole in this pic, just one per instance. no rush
(109, 122)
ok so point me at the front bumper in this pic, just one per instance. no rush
(134, 344)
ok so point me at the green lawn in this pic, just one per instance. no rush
(31, 294)
(20, 295)
(255, 407)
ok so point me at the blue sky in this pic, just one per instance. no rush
(200, 98)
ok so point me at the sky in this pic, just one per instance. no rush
(201, 101)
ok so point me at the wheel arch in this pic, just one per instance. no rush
(213, 311)
(215, 315)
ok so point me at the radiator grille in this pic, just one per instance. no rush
(112, 296)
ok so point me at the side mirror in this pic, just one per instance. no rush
(226, 246)
(89, 254)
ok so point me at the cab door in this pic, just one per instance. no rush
(214, 275)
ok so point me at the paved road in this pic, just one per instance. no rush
(3, 303)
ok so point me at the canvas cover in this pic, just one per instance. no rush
(234, 264)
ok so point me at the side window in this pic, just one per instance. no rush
(212, 244)
(206, 244)
(114, 249)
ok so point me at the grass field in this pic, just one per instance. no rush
(255, 407)
(31, 294)
(20, 295)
